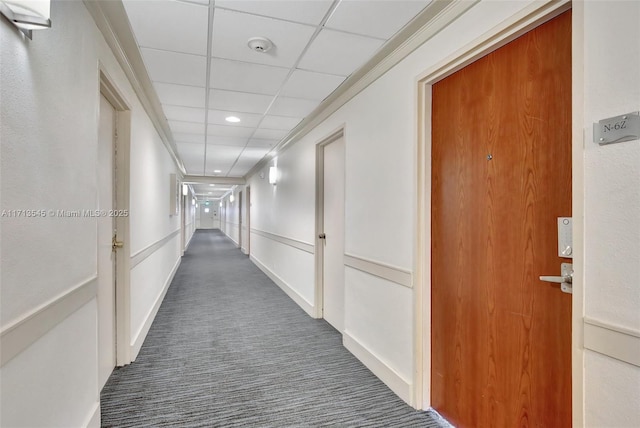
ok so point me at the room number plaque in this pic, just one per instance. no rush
(617, 129)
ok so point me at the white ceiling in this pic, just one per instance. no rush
(208, 192)
(201, 81)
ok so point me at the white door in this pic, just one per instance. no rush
(333, 265)
(240, 220)
(106, 229)
(206, 216)
(216, 215)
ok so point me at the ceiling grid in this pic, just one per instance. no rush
(204, 72)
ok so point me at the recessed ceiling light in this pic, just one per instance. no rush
(211, 185)
(216, 171)
(211, 193)
(232, 119)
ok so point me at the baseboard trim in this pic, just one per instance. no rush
(295, 243)
(293, 294)
(136, 345)
(386, 374)
(141, 255)
(382, 270)
(232, 240)
(93, 421)
(19, 335)
(613, 341)
(186, 247)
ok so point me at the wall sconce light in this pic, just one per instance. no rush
(27, 15)
(220, 204)
(193, 201)
(273, 175)
(185, 190)
(232, 198)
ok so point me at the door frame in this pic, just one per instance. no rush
(183, 220)
(527, 19)
(240, 208)
(319, 226)
(247, 218)
(111, 92)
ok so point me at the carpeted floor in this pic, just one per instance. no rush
(229, 349)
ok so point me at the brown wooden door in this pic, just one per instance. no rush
(501, 338)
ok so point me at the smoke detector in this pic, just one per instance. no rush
(260, 44)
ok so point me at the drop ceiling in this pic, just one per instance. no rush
(210, 191)
(202, 70)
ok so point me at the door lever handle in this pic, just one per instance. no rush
(322, 236)
(116, 244)
(565, 279)
(557, 279)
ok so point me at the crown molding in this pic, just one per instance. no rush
(202, 179)
(112, 21)
(435, 17)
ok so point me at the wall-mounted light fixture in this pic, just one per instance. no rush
(273, 175)
(27, 15)
(220, 204)
(193, 201)
(185, 189)
(232, 198)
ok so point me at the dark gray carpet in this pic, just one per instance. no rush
(229, 349)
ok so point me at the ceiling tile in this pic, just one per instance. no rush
(167, 29)
(180, 137)
(248, 158)
(227, 141)
(339, 53)
(232, 30)
(247, 77)
(221, 157)
(241, 169)
(208, 190)
(249, 120)
(384, 17)
(185, 114)
(239, 101)
(257, 142)
(186, 127)
(178, 68)
(292, 107)
(279, 122)
(306, 12)
(194, 167)
(188, 149)
(180, 95)
(212, 194)
(253, 153)
(229, 131)
(270, 134)
(192, 156)
(311, 85)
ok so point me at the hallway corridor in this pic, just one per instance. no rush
(229, 348)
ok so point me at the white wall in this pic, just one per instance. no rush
(230, 217)
(190, 220)
(286, 209)
(380, 165)
(49, 91)
(612, 208)
(380, 138)
(150, 222)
